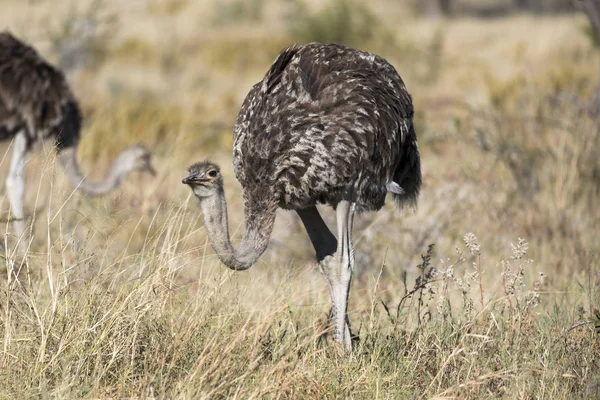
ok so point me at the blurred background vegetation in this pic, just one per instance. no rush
(506, 102)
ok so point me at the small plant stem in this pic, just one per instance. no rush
(480, 280)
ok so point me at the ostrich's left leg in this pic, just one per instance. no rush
(322, 239)
(15, 186)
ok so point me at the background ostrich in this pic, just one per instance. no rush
(36, 103)
(327, 124)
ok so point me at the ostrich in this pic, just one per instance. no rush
(36, 103)
(326, 125)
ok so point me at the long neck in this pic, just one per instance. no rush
(113, 178)
(256, 237)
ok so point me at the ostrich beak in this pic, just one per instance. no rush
(194, 179)
(151, 169)
(145, 164)
(191, 179)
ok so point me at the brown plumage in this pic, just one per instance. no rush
(323, 119)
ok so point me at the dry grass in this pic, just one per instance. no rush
(123, 297)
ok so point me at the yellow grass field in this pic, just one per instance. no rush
(122, 296)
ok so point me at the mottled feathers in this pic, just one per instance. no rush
(35, 96)
(327, 123)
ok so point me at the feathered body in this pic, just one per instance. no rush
(35, 97)
(326, 123)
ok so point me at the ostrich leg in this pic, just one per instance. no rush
(338, 272)
(320, 236)
(335, 267)
(15, 186)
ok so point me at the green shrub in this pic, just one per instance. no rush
(345, 22)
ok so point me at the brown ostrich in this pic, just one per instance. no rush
(36, 103)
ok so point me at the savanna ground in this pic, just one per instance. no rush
(476, 294)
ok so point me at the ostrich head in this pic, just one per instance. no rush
(205, 179)
(135, 158)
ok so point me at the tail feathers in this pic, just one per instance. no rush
(407, 177)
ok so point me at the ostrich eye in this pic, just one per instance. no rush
(212, 173)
